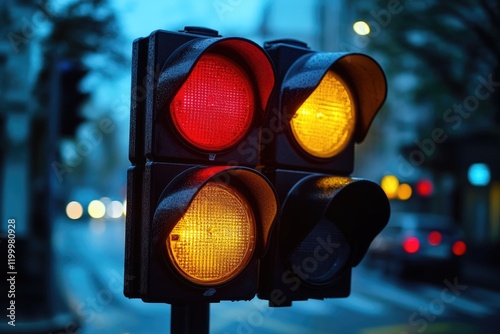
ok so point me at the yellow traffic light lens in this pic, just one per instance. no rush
(323, 125)
(215, 239)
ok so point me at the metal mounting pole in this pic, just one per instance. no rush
(190, 318)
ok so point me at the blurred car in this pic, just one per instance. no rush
(418, 243)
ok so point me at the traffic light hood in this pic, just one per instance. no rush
(359, 208)
(362, 73)
(248, 54)
(180, 192)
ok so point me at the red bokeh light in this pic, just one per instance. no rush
(424, 188)
(459, 248)
(411, 245)
(434, 238)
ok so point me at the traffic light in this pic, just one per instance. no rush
(322, 105)
(241, 160)
(199, 214)
(71, 97)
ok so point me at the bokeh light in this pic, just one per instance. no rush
(96, 209)
(479, 174)
(390, 185)
(361, 28)
(404, 191)
(74, 210)
(114, 209)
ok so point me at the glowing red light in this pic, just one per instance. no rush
(459, 248)
(434, 238)
(411, 245)
(214, 108)
(424, 188)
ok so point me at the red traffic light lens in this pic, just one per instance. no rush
(214, 108)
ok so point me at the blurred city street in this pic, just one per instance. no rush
(186, 152)
(90, 272)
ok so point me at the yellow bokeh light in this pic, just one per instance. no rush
(96, 209)
(215, 239)
(74, 210)
(390, 185)
(404, 191)
(361, 28)
(323, 125)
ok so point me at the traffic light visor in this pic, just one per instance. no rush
(215, 239)
(335, 213)
(324, 124)
(215, 106)
(346, 90)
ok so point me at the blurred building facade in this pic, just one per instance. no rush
(18, 62)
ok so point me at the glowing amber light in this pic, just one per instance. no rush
(390, 184)
(324, 123)
(404, 191)
(215, 239)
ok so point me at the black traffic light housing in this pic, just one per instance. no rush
(169, 172)
(71, 97)
(162, 63)
(308, 212)
(299, 71)
(327, 218)
(326, 226)
(160, 281)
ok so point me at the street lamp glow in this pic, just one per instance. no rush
(96, 209)
(361, 28)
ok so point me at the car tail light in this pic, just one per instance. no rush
(459, 248)
(434, 238)
(411, 245)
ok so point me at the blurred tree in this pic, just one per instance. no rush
(451, 48)
(82, 32)
(86, 35)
